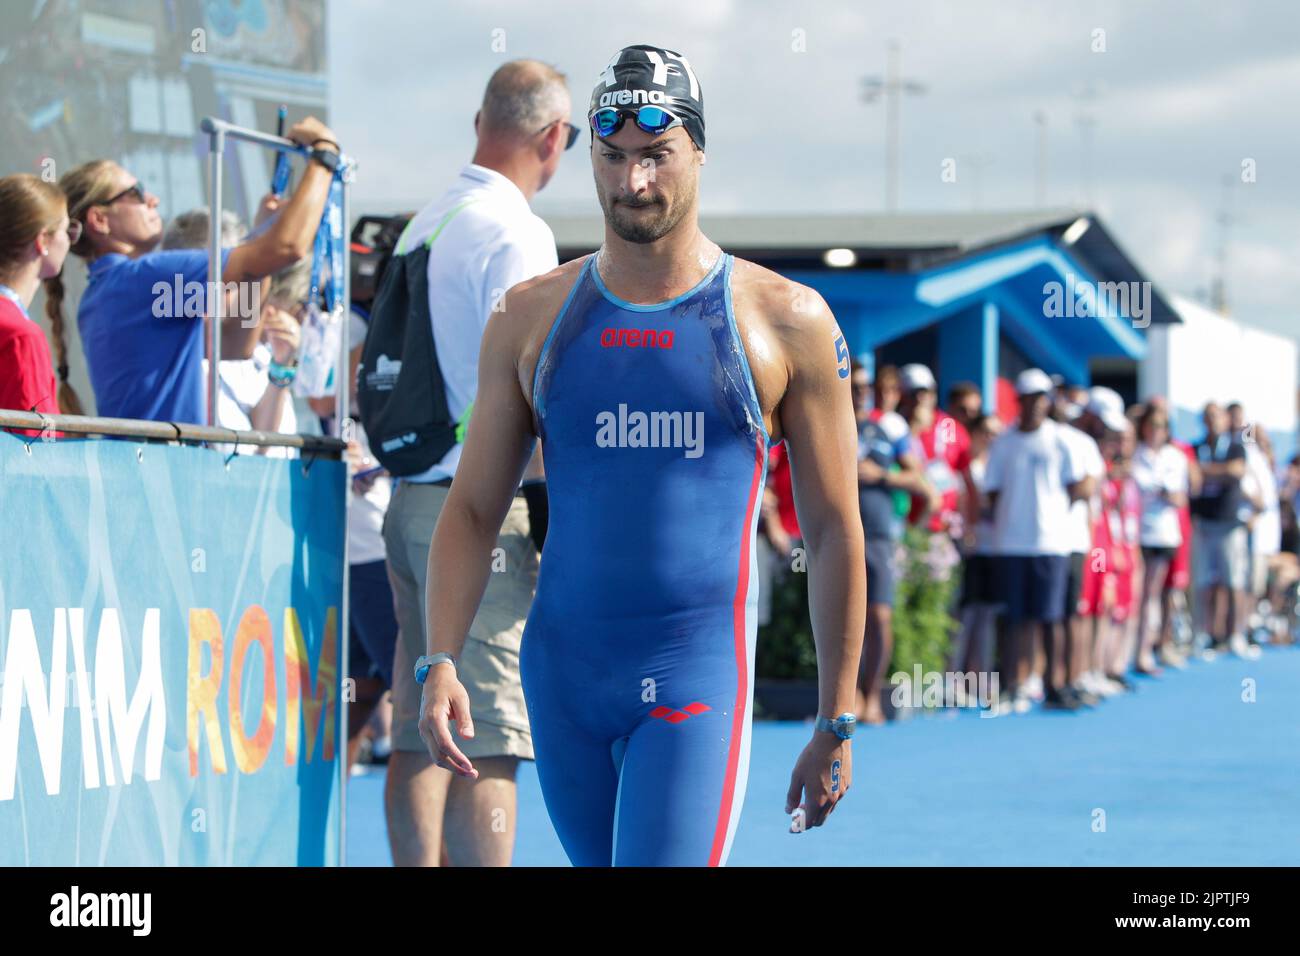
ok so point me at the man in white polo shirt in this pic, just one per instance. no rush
(1032, 477)
(488, 239)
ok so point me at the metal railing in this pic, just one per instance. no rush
(218, 130)
(86, 425)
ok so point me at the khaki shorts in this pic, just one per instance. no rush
(1220, 554)
(488, 665)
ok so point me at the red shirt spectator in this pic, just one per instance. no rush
(778, 479)
(26, 371)
(1114, 553)
(945, 456)
(1180, 567)
(1007, 402)
(35, 236)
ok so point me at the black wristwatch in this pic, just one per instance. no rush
(326, 157)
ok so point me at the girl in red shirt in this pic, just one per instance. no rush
(1108, 590)
(35, 235)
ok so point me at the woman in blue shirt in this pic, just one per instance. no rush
(142, 315)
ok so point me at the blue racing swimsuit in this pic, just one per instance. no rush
(638, 657)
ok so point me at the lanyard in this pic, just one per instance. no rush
(280, 179)
(329, 245)
(13, 297)
(322, 328)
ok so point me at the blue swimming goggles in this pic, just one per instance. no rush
(654, 120)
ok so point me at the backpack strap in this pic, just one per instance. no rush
(401, 249)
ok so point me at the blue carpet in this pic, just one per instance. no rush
(1184, 771)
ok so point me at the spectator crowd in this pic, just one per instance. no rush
(1096, 549)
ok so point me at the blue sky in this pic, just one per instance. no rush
(1179, 98)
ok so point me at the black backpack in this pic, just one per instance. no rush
(400, 392)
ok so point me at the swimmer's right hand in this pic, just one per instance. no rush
(443, 701)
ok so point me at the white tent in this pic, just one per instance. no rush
(1211, 357)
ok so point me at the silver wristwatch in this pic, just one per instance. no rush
(842, 726)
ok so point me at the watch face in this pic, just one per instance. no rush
(421, 673)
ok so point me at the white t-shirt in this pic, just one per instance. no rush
(1266, 533)
(1031, 473)
(366, 512)
(1085, 449)
(1154, 471)
(243, 384)
(490, 245)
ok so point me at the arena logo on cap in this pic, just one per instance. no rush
(634, 98)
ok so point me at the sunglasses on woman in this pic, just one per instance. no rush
(650, 119)
(136, 189)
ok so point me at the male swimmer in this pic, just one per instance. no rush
(656, 373)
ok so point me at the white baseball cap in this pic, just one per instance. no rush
(915, 377)
(1106, 404)
(1032, 381)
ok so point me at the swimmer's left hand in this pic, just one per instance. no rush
(444, 700)
(821, 776)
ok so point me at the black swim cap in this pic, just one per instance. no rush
(650, 75)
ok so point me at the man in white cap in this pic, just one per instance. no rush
(1032, 477)
(1106, 406)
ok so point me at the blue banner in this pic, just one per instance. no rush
(171, 639)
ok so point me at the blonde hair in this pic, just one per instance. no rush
(87, 185)
(30, 206)
(90, 184)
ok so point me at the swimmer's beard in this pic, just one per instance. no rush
(644, 230)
